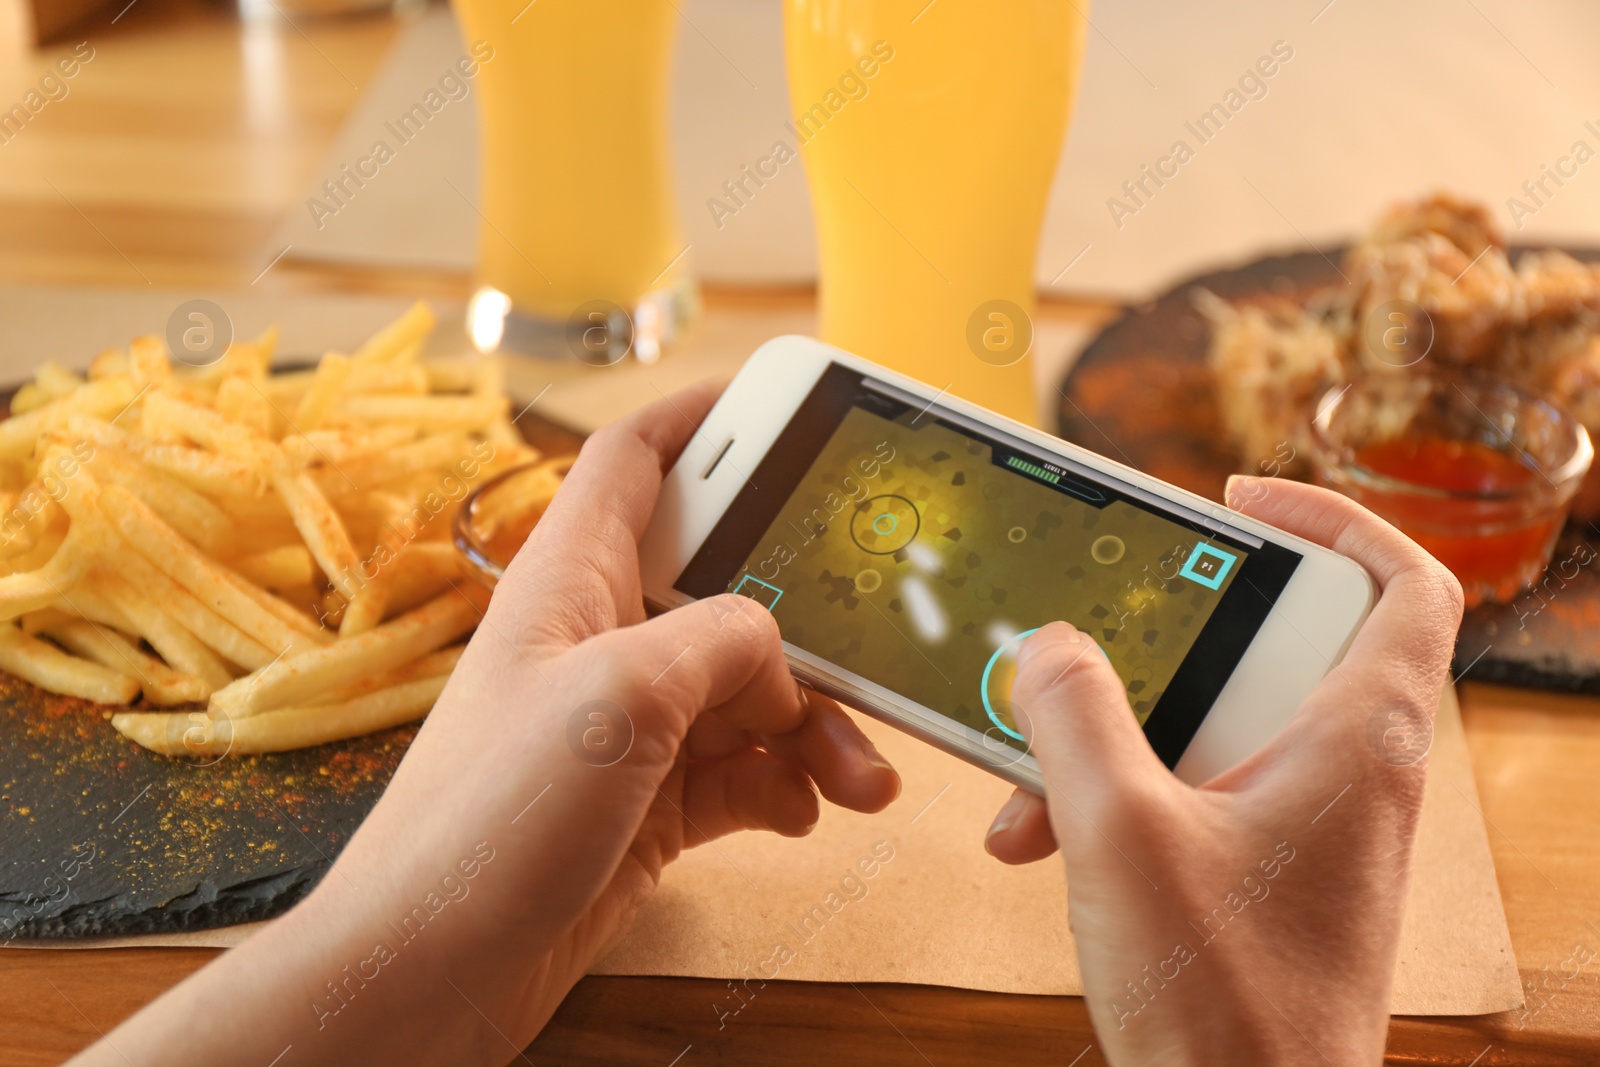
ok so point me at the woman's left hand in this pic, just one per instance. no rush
(578, 748)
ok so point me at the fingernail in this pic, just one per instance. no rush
(1025, 651)
(874, 757)
(1038, 641)
(1239, 489)
(1007, 818)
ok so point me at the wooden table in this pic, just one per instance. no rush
(171, 166)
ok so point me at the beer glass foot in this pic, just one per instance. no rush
(597, 332)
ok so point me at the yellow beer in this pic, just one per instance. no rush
(930, 133)
(577, 201)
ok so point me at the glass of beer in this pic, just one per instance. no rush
(580, 254)
(931, 133)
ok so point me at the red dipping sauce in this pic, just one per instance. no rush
(1484, 543)
(1477, 470)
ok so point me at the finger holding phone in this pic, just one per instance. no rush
(581, 746)
(577, 750)
(1255, 918)
(1249, 902)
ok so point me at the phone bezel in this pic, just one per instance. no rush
(1305, 634)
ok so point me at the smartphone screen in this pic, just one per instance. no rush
(915, 548)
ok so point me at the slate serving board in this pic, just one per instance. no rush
(99, 837)
(1141, 393)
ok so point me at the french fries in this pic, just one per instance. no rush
(239, 561)
(299, 678)
(47, 666)
(159, 682)
(104, 399)
(280, 568)
(175, 734)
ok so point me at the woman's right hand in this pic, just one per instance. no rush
(1255, 919)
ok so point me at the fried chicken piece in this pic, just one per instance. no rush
(1269, 364)
(1469, 302)
(1537, 323)
(1575, 382)
(1556, 288)
(1563, 361)
(1465, 224)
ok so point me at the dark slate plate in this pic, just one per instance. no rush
(100, 837)
(1141, 394)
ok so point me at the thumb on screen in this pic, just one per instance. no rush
(1072, 705)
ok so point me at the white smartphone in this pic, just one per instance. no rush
(907, 541)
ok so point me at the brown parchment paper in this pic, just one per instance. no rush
(909, 895)
(941, 911)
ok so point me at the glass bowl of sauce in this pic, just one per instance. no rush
(1478, 471)
(497, 517)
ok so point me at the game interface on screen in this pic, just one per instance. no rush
(918, 555)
